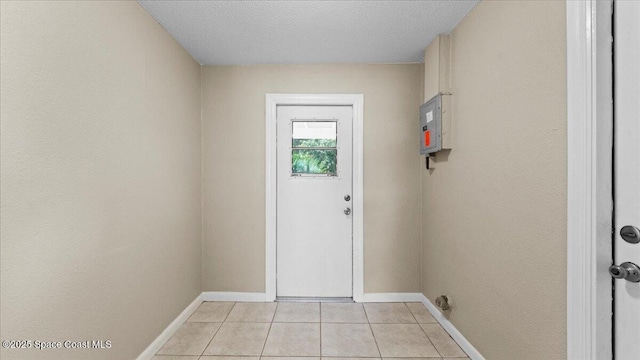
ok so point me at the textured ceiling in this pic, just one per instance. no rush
(302, 32)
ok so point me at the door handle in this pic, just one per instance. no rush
(347, 211)
(627, 270)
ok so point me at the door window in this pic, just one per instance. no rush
(314, 148)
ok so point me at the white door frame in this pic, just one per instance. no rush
(589, 179)
(357, 102)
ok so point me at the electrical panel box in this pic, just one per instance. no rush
(435, 124)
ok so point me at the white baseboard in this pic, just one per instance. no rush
(455, 334)
(164, 336)
(233, 296)
(393, 297)
(261, 297)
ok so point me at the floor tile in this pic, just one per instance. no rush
(297, 312)
(213, 357)
(352, 313)
(295, 333)
(190, 339)
(252, 312)
(403, 340)
(211, 312)
(419, 358)
(442, 341)
(421, 313)
(290, 358)
(348, 340)
(388, 313)
(239, 339)
(293, 339)
(434, 358)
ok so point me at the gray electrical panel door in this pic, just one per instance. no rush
(431, 125)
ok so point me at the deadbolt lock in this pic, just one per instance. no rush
(627, 270)
(630, 234)
(347, 197)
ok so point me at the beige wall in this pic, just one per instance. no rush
(233, 103)
(437, 63)
(494, 208)
(101, 211)
(100, 177)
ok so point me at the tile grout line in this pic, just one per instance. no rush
(413, 316)
(432, 343)
(320, 320)
(224, 321)
(219, 327)
(268, 331)
(421, 328)
(371, 328)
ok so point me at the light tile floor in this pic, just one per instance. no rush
(309, 331)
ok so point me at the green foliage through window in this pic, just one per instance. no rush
(306, 158)
(299, 143)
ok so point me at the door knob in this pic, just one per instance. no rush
(347, 211)
(627, 270)
(630, 234)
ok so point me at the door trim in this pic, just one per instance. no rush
(357, 102)
(589, 179)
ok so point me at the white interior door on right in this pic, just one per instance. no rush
(626, 178)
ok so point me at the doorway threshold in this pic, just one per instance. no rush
(314, 299)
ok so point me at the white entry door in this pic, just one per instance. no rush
(627, 175)
(314, 183)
